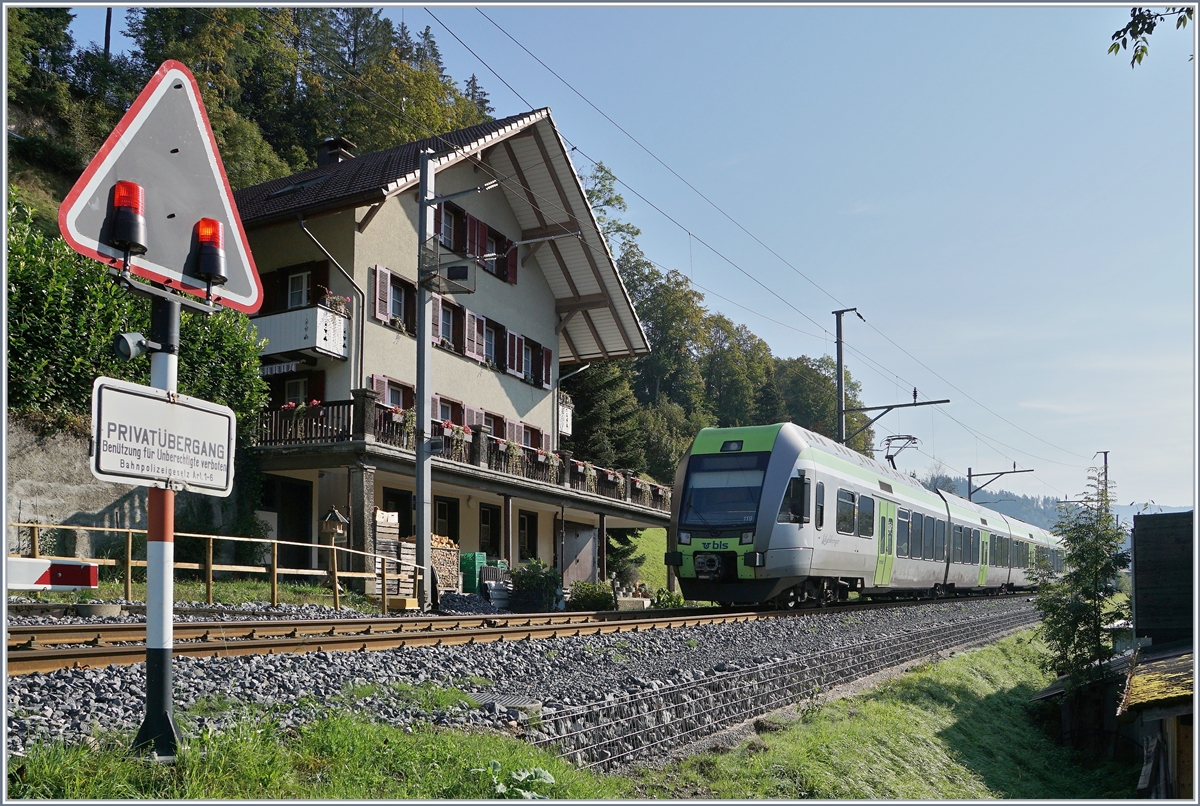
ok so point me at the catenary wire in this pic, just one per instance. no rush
(738, 224)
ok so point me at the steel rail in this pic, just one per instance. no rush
(44, 648)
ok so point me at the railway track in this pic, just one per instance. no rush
(45, 648)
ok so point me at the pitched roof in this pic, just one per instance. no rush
(359, 179)
(533, 166)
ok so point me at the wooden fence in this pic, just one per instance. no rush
(272, 571)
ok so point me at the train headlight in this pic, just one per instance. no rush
(747, 537)
(685, 538)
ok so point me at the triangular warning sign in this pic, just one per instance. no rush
(165, 144)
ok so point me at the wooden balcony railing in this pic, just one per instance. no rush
(332, 422)
(313, 425)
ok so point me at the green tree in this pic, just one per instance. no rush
(809, 389)
(1142, 22)
(1076, 604)
(606, 423)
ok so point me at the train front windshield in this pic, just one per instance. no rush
(722, 490)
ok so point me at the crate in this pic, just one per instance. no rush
(469, 563)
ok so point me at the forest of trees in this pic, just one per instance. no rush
(275, 82)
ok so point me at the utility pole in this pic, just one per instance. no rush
(842, 437)
(841, 378)
(1104, 482)
(425, 273)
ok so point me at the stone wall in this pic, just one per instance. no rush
(621, 729)
(49, 481)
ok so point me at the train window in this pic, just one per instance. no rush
(956, 546)
(845, 512)
(915, 547)
(939, 541)
(902, 533)
(928, 553)
(866, 516)
(974, 547)
(993, 550)
(820, 504)
(794, 508)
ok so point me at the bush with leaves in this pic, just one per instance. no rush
(664, 599)
(1076, 604)
(590, 596)
(535, 587)
(520, 783)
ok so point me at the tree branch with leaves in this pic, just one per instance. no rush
(1142, 22)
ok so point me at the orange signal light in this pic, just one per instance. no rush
(209, 232)
(130, 196)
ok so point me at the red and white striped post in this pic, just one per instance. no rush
(159, 731)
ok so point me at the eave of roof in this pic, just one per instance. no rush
(1159, 681)
(542, 187)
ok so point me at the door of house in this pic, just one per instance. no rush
(579, 553)
(292, 499)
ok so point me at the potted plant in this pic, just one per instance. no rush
(395, 415)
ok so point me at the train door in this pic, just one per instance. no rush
(983, 558)
(886, 543)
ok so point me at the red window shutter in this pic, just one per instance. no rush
(437, 318)
(435, 408)
(410, 308)
(469, 227)
(547, 366)
(512, 352)
(379, 384)
(383, 290)
(481, 234)
(469, 348)
(511, 273)
(480, 338)
(437, 220)
(511, 431)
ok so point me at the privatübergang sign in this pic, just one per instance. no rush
(154, 438)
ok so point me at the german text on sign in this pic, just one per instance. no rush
(150, 437)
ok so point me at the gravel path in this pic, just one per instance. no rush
(558, 673)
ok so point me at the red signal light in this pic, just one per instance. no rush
(130, 196)
(209, 232)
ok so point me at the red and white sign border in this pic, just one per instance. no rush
(87, 187)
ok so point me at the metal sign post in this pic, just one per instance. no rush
(421, 435)
(188, 240)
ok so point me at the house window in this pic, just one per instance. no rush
(298, 289)
(527, 535)
(490, 530)
(527, 357)
(445, 517)
(445, 411)
(492, 247)
(446, 330)
(490, 422)
(489, 344)
(395, 395)
(295, 391)
(447, 235)
(397, 307)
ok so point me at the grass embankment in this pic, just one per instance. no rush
(962, 728)
(340, 757)
(958, 729)
(652, 545)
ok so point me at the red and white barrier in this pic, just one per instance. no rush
(30, 574)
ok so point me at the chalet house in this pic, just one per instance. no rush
(337, 250)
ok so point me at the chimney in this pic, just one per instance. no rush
(334, 150)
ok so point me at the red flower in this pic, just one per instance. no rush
(467, 429)
(447, 424)
(314, 402)
(288, 406)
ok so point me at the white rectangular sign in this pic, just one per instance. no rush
(151, 438)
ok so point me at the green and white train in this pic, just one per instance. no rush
(779, 513)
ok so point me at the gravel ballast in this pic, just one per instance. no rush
(555, 673)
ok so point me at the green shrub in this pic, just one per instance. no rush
(535, 587)
(590, 596)
(664, 598)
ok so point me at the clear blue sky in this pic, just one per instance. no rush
(1010, 208)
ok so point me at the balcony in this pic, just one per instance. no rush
(332, 422)
(312, 330)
